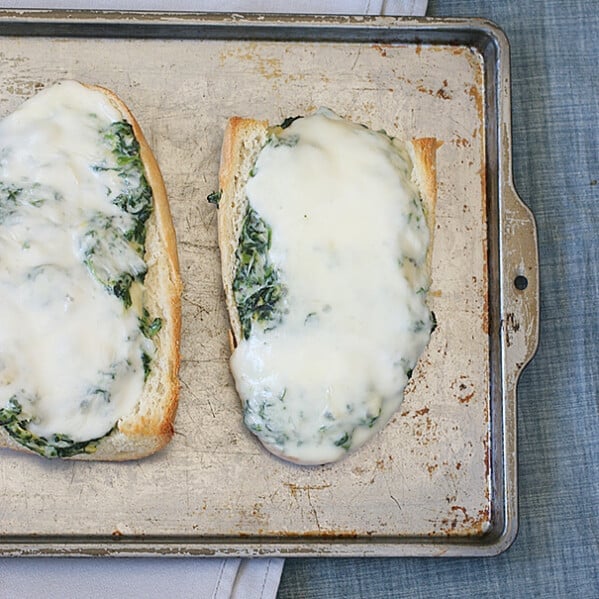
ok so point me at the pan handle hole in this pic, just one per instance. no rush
(521, 282)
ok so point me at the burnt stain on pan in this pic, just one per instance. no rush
(268, 66)
(460, 523)
(463, 389)
(461, 142)
(381, 49)
(443, 92)
(512, 324)
(294, 488)
(326, 533)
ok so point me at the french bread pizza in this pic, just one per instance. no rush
(325, 235)
(89, 280)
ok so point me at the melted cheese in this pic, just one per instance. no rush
(70, 353)
(349, 242)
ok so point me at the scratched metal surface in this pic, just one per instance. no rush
(440, 478)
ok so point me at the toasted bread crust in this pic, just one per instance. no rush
(242, 142)
(152, 426)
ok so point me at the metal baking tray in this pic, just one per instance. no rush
(441, 478)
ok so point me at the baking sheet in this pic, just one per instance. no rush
(440, 478)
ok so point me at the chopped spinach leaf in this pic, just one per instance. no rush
(256, 286)
(8, 200)
(256, 418)
(214, 197)
(146, 360)
(121, 288)
(9, 193)
(122, 139)
(370, 419)
(55, 446)
(344, 441)
(288, 121)
(148, 326)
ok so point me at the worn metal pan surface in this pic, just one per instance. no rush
(440, 479)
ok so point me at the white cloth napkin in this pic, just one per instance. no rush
(156, 578)
(139, 578)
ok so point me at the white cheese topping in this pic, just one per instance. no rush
(70, 354)
(349, 243)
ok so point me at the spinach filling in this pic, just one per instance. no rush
(135, 200)
(150, 327)
(256, 418)
(55, 446)
(256, 286)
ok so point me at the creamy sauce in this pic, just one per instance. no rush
(349, 242)
(70, 353)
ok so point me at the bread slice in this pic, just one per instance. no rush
(244, 139)
(149, 426)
